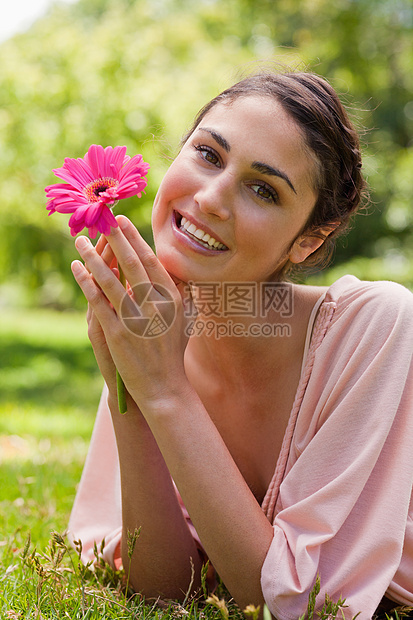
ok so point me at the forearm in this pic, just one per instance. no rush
(229, 520)
(161, 563)
(233, 529)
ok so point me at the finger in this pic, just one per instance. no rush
(89, 313)
(107, 254)
(101, 351)
(109, 257)
(98, 299)
(135, 256)
(101, 244)
(95, 331)
(129, 259)
(185, 292)
(101, 272)
(103, 248)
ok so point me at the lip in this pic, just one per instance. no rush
(193, 244)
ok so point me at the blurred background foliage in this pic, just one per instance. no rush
(135, 72)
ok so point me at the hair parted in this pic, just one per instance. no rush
(331, 139)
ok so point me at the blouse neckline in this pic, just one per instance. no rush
(319, 320)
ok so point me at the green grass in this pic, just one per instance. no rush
(46, 360)
(49, 390)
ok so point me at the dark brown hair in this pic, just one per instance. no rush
(329, 134)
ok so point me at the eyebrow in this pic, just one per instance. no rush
(256, 165)
(218, 138)
(266, 169)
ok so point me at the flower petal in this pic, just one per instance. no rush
(84, 195)
(110, 196)
(74, 230)
(115, 160)
(109, 218)
(60, 186)
(66, 191)
(79, 215)
(135, 168)
(131, 189)
(75, 172)
(95, 157)
(66, 208)
(93, 213)
(93, 231)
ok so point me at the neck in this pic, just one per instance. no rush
(251, 347)
(240, 349)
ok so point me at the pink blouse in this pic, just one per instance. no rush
(341, 497)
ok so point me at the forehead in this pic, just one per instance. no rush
(259, 128)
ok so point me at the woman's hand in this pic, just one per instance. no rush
(140, 331)
(95, 331)
(175, 438)
(151, 368)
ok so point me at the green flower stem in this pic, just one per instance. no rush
(119, 381)
(121, 393)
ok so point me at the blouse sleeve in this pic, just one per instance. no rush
(96, 513)
(344, 501)
(97, 510)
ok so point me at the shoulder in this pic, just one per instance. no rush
(372, 301)
(363, 316)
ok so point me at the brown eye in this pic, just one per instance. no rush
(209, 155)
(265, 192)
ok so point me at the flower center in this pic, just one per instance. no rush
(98, 187)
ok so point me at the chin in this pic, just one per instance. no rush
(172, 265)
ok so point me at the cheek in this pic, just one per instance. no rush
(168, 194)
(176, 187)
(155, 217)
(165, 194)
(268, 238)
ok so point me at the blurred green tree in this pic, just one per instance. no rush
(134, 72)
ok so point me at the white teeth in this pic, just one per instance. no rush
(201, 235)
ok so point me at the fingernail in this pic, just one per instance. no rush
(77, 267)
(123, 223)
(82, 242)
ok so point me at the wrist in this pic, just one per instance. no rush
(168, 403)
(131, 406)
(113, 404)
(162, 390)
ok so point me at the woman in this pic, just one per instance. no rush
(289, 439)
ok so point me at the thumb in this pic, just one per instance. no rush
(185, 292)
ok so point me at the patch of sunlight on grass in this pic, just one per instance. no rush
(68, 329)
(28, 419)
(47, 361)
(19, 448)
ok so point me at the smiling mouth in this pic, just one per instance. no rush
(197, 234)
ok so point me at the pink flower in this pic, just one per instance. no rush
(94, 185)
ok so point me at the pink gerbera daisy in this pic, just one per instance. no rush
(95, 183)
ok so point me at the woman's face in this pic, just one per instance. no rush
(236, 197)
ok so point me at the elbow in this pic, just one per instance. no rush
(154, 582)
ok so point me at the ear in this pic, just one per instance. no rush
(308, 243)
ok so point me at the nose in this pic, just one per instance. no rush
(216, 196)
